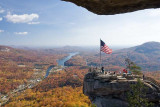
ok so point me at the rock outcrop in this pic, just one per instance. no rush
(110, 7)
(111, 90)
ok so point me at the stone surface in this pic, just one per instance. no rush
(111, 91)
(110, 7)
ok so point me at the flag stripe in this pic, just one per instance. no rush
(105, 48)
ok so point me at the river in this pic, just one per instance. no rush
(60, 62)
(48, 70)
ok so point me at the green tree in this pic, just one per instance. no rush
(137, 95)
(135, 69)
(93, 105)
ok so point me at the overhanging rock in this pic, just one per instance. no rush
(111, 7)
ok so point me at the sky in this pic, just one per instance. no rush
(59, 23)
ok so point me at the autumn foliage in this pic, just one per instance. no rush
(58, 97)
(155, 75)
(60, 89)
(17, 65)
(71, 76)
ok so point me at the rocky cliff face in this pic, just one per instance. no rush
(110, 7)
(111, 91)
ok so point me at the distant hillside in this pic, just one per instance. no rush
(146, 55)
(76, 61)
(30, 56)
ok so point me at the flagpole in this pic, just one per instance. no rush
(104, 48)
(100, 54)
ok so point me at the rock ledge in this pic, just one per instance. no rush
(107, 90)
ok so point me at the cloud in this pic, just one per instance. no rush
(154, 12)
(2, 11)
(1, 31)
(21, 33)
(1, 18)
(33, 23)
(25, 18)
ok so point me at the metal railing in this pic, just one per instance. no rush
(152, 81)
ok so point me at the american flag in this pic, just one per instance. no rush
(105, 48)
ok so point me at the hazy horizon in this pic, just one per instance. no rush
(114, 47)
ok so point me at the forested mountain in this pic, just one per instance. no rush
(146, 56)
